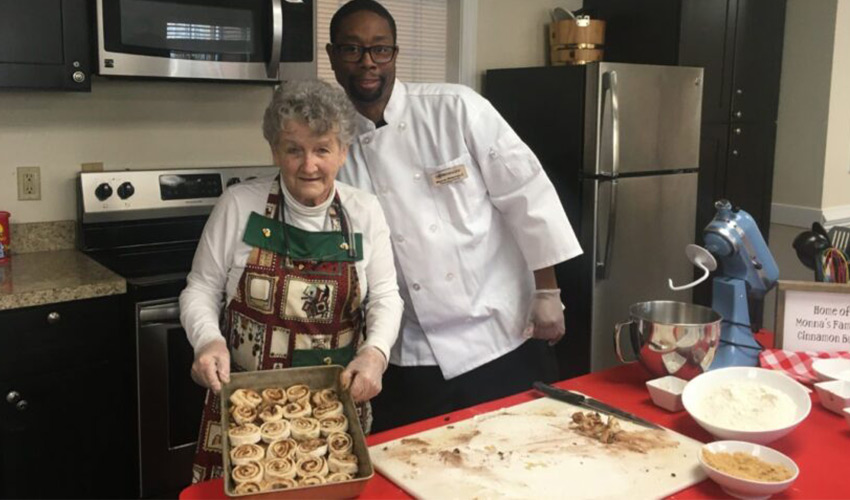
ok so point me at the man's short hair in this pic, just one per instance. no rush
(360, 5)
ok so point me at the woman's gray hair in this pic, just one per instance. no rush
(317, 104)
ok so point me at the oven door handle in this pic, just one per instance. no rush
(160, 313)
(273, 68)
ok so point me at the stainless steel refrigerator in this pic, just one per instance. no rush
(620, 142)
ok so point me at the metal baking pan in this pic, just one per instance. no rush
(315, 377)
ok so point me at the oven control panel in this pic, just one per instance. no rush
(137, 194)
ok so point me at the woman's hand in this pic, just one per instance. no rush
(363, 374)
(212, 365)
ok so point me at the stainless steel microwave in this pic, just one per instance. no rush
(255, 40)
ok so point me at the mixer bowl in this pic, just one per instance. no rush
(669, 338)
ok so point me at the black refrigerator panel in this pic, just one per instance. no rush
(546, 108)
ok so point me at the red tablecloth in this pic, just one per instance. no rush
(820, 445)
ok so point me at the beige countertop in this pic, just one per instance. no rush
(38, 278)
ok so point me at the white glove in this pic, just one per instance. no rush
(546, 316)
(212, 365)
(363, 374)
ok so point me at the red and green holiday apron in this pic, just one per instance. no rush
(297, 304)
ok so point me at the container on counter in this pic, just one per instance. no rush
(5, 236)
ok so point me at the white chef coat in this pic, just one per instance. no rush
(465, 250)
(221, 256)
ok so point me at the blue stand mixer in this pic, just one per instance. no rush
(747, 270)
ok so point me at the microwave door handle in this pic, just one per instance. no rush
(273, 67)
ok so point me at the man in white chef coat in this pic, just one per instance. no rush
(476, 227)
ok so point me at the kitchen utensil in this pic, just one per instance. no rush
(745, 488)
(832, 369)
(809, 246)
(530, 450)
(5, 237)
(834, 395)
(840, 237)
(577, 399)
(666, 392)
(670, 338)
(315, 377)
(702, 386)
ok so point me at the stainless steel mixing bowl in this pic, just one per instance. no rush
(669, 338)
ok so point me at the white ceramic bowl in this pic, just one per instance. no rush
(834, 395)
(832, 369)
(666, 392)
(701, 387)
(746, 488)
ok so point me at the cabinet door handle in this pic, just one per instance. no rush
(53, 318)
(13, 397)
(22, 405)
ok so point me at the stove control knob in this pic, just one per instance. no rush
(233, 180)
(103, 191)
(126, 190)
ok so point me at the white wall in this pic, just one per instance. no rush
(836, 185)
(124, 124)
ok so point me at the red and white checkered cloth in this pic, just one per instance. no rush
(796, 364)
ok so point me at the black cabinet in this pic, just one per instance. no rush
(45, 44)
(66, 413)
(739, 44)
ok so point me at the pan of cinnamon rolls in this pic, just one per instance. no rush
(292, 433)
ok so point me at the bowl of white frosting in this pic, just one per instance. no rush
(746, 404)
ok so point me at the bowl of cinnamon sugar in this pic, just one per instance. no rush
(747, 470)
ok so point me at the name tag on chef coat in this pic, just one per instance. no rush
(449, 175)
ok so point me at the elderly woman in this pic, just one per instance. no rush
(304, 262)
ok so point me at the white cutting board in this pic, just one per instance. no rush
(529, 451)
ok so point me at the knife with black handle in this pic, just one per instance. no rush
(592, 404)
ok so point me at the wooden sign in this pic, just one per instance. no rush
(813, 316)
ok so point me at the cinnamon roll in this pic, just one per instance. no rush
(245, 488)
(297, 409)
(343, 463)
(272, 413)
(245, 453)
(305, 428)
(340, 443)
(316, 447)
(279, 484)
(311, 481)
(279, 468)
(274, 396)
(311, 466)
(324, 396)
(243, 414)
(273, 431)
(252, 472)
(246, 397)
(330, 409)
(329, 425)
(338, 477)
(244, 434)
(298, 392)
(284, 448)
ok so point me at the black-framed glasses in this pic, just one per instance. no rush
(380, 54)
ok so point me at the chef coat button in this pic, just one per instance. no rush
(416, 286)
(432, 228)
(492, 153)
(399, 238)
(367, 140)
(402, 126)
(417, 176)
(450, 277)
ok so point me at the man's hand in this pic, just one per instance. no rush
(546, 316)
(212, 365)
(363, 374)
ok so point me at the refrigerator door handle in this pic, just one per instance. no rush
(609, 84)
(603, 265)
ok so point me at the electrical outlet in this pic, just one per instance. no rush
(29, 183)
